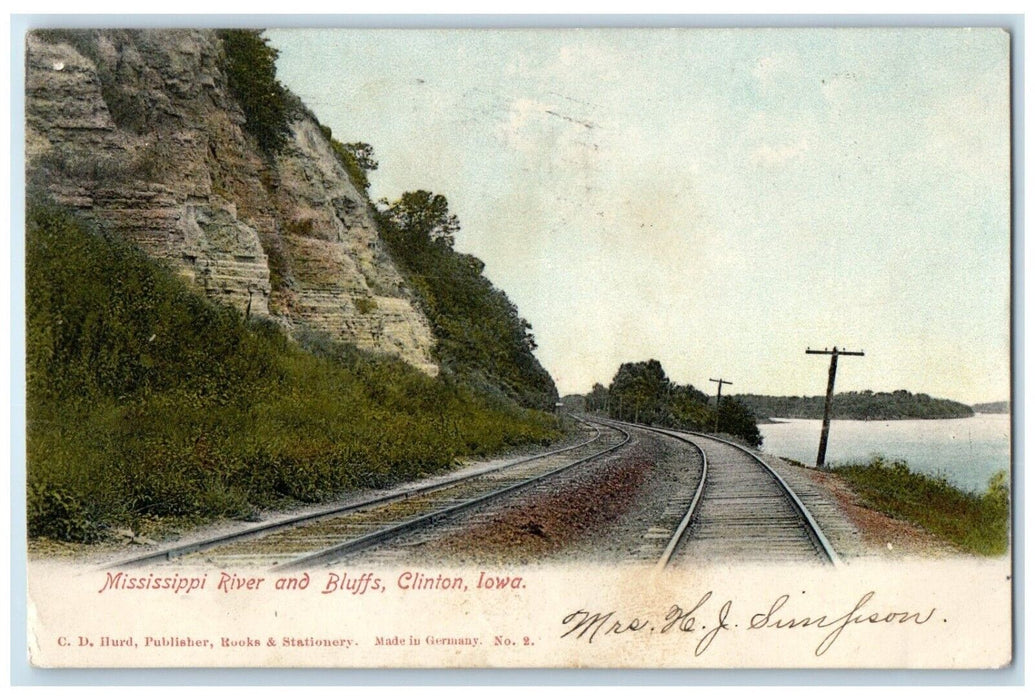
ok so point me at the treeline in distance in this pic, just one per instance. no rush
(857, 405)
(641, 392)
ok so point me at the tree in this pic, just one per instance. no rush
(596, 399)
(363, 154)
(423, 218)
(639, 392)
(688, 408)
(481, 336)
(736, 419)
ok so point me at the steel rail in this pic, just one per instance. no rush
(815, 530)
(169, 553)
(812, 527)
(684, 523)
(677, 536)
(379, 536)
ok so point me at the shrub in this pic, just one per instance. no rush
(250, 65)
(58, 513)
(365, 305)
(978, 523)
(356, 158)
(146, 163)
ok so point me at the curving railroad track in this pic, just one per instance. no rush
(741, 510)
(729, 506)
(329, 535)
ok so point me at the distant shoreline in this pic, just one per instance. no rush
(859, 405)
(992, 407)
(787, 419)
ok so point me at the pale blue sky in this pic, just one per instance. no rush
(715, 199)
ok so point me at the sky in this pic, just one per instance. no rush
(716, 199)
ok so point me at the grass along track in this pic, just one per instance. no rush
(322, 536)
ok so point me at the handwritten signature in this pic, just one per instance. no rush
(586, 625)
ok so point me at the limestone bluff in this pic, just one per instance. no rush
(138, 130)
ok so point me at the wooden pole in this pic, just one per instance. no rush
(718, 400)
(821, 457)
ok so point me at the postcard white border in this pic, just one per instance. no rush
(23, 674)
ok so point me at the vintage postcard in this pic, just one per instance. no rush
(664, 348)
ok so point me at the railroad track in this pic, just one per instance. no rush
(327, 536)
(741, 510)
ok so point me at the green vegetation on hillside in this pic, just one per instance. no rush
(147, 401)
(357, 158)
(857, 405)
(641, 392)
(251, 70)
(979, 524)
(481, 337)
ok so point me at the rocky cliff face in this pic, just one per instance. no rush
(139, 130)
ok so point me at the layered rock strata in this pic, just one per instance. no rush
(138, 130)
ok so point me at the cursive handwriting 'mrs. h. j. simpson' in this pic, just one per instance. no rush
(585, 625)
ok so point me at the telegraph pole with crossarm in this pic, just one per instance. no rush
(718, 399)
(822, 456)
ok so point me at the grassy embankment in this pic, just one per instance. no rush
(147, 402)
(977, 523)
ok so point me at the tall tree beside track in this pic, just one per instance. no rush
(481, 336)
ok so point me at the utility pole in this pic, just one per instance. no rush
(822, 456)
(718, 399)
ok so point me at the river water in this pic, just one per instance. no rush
(966, 451)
